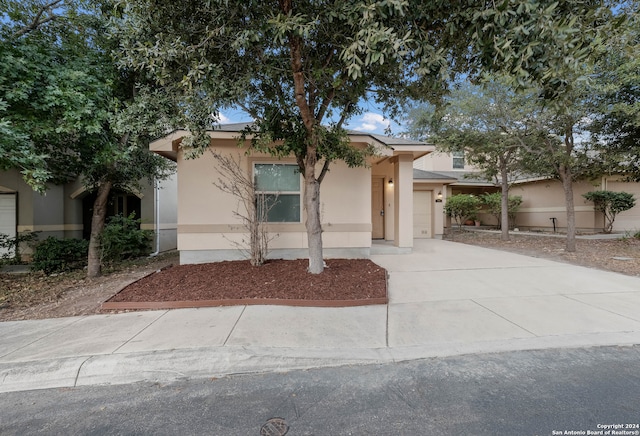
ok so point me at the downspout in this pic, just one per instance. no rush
(156, 186)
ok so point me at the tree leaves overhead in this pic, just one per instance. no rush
(66, 109)
(616, 98)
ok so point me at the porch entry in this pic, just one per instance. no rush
(422, 204)
(377, 208)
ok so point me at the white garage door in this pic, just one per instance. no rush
(7, 216)
(422, 214)
(628, 220)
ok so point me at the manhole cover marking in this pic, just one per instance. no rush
(274, 427)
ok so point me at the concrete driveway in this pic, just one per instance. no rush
(445, 299)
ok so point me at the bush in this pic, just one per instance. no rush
(493, 202)
(11, 246)
(610, 204)
(57, 255)
(462, 207)
(122, 239)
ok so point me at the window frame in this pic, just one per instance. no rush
(279, 193)
(457, 158)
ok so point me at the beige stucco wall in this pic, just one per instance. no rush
(439, 161)
(52, 213)
(11, 181)
(629, 220)
(543, 200)
(58, 212)
(206, 220)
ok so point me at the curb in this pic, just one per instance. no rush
(141, 305)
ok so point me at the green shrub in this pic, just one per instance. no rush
(57, 255)
(610, 203)
(11, 246)
(462, 207)
(122, 239)
(493, 203)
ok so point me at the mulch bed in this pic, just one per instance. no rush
(344, 282)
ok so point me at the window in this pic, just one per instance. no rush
(280, 185)
(458, 160)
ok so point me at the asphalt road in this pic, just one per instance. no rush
(520, 393)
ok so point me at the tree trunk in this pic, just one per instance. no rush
(567, 184)
(504, 202)
(312, 206)
(97, 224)
(314, 226)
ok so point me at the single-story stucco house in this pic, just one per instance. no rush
(64, 211)
(380, 202)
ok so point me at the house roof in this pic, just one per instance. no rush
(467, 178)
(431, 177)
(387, 146)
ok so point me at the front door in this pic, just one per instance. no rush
(377, 208)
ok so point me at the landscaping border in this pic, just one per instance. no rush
(146, 305)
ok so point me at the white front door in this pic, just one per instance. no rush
(422, 214)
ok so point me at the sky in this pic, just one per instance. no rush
(369, 122)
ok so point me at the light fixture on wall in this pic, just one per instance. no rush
(390, 182)
(439, 195)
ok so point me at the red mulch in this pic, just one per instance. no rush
(342, 279)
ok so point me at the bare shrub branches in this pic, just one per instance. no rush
(253, 206)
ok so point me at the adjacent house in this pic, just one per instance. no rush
(383, 201)
(543, 203)
(64, 211)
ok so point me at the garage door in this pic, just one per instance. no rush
(422, 214)
(628, 220)
(7, 216)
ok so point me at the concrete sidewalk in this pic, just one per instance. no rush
(445, 299)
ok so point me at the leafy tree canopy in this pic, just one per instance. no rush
(616, 98)
(302, 68)
(66, 109)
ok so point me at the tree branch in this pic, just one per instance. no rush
(325, 169)
(38, 20)
(295, 50)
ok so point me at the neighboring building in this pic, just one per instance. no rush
(379, 202)
(543, 202)
(64, 211)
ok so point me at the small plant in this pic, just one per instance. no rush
(253, 207)
(122, 239)
(493, 202)
(57, 255)
(11, 246)
(610, 204)
(462, 207)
